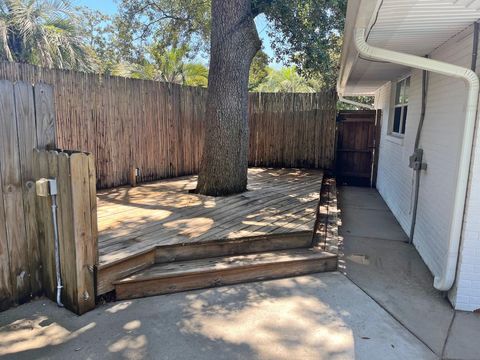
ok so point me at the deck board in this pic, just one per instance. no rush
(133, 220)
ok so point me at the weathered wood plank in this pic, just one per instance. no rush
(6, 289)
(66, 232)
(45, 116)
(197, 274)
(223, 210)
(50, 285)
(92, 185)
(76, 218)
(85, 243)
(13, 195)
(27, 140)
(163, 213)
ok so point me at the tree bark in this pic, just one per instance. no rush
(234, 43)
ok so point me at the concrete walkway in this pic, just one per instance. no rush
(377, 258)
(323, 316)
(384, 308)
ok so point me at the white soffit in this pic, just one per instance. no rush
(412, 26)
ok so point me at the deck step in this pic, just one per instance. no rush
(211, 272)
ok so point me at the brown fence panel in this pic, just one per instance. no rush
(292, 130)
(27, 262)
(26, 122)
(159, 127)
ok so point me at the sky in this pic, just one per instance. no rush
(110, 7)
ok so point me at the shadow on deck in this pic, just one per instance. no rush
(162, 222)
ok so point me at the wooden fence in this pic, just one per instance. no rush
(27, 263)
(292, 130)
(26, 122)
(159, 127)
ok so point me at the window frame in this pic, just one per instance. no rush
(400, 101)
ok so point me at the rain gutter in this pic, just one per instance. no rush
(355, 103)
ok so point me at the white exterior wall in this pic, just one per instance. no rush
(466, 293)
(440, 140)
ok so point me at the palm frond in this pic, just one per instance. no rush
(43, 33)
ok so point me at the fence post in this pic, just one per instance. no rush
(77, 227)
(84, 229)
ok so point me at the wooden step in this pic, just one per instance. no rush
(108, 274)
(210, 272)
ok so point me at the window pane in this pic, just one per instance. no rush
(398, 93)
(402, 92)
(407, 88)
(396, 120)
(404, 118)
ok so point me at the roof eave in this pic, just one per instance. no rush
(360, 13)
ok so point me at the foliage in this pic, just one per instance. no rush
(196, 74)
(306, 33)
(167, 35)
(167, 23)
(168, 66)
(287, 79)
(98, 34)
(258, 70)
(43, 33)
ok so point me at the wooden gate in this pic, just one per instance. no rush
(358, 135)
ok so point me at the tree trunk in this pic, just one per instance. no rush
(234, 43)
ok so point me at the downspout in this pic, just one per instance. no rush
(355, 103)
(476, 30)
(443, 281)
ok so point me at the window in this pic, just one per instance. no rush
(401, 106)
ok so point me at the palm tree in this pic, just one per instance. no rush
(196, 74)
(287, 79)
(168, 65)
(144, 71)
(42, 32)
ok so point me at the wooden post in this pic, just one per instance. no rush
(133, 177)
(83, 230)
(77, 227)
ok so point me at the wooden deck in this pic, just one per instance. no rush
(132, 221)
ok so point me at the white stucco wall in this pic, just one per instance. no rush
(441, 137)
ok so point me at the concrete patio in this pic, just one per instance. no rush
(323, 316)
(384, 308)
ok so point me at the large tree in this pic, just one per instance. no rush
(234, 42)
(306, 33)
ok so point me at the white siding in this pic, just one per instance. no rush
(441, 137)
(466, 294)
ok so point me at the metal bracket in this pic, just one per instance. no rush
(415, 160)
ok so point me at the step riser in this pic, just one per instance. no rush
(169, 253)
(217, 248)
(136, 289)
